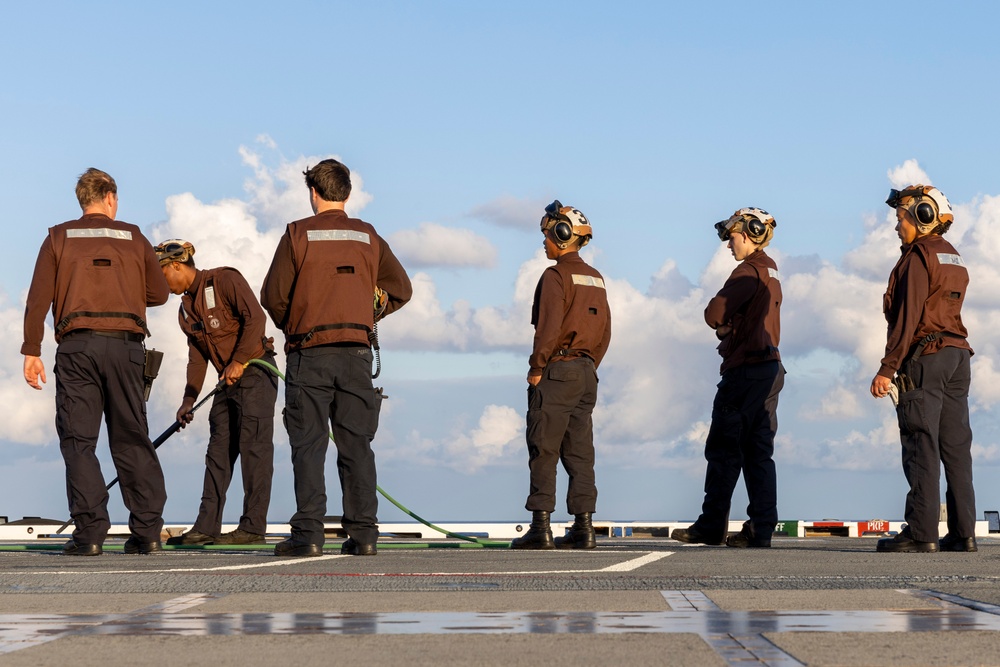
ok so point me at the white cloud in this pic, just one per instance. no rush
(508, 211)
(432, 244)
(500, 432)
(908, 173)
(278, 194)
(423, 324)
(839, 403)
(875, 449)
(29, 414)
(659, 374)
(658, 378)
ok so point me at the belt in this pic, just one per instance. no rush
(569, 353)
(123, 335)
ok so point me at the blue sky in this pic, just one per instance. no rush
(461, 121)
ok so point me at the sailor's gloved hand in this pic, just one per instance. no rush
(723, 331)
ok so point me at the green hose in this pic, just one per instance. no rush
(403, 508)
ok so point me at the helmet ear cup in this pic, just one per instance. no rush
(562, 231)
(924, 213)
(754, 227)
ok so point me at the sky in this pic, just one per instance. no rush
(460, 121)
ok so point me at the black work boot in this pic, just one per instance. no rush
(539, 535)
(581, 534)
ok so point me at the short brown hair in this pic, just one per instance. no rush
(331, 179)
(93, 186)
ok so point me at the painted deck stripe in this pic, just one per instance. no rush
(627, 566)
(275, 562)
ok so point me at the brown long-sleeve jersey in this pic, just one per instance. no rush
(223, 323)
(94, 273)
(320, 286)
(750, 303)
(924, 296)
(570, 313)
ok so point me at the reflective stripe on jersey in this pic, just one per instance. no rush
(589, 281)
(949, 258)
(103, 232)
(338, 235)
(773, 273)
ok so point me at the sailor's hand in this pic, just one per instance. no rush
(232, 373)
(184, 414)
(533, 380)
(723, 331)
(34, 370)
(880, 386)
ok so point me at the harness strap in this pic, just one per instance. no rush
(64, 322)
(294, 339)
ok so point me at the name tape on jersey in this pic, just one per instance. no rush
(210, 297)
(338, 235)
(774, 273)
(950, 258)
(589, 281)
(103, 232)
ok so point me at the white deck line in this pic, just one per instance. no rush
(626, 566)
(270, 563)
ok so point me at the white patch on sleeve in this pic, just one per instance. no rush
(950, 258)
(589, 281)
(209, 297)
(338, 235)
(774, 274)
(103, 232)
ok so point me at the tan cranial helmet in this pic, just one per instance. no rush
(756, 223)
(930, 209)
(562, 223)
(174, 250)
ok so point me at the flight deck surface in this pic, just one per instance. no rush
(805, 601)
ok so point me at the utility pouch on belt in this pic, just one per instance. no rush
(151, 370)
(903, 383)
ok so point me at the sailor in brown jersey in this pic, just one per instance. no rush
(746, 316)
(224, 325)
(572, 323)
(98, 275)
(927, 351)
(320, 291)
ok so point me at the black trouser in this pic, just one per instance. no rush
(97, 375)
(241, 425)
(560, 427)
(741, 437)
(934, 429)
(332, 384)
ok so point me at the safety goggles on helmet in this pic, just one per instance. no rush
(896, 196)
(174, 250)
(724, 227)
(553, 214)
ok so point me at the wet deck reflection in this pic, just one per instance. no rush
(735, 635)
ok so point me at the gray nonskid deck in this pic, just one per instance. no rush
(805, 601)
